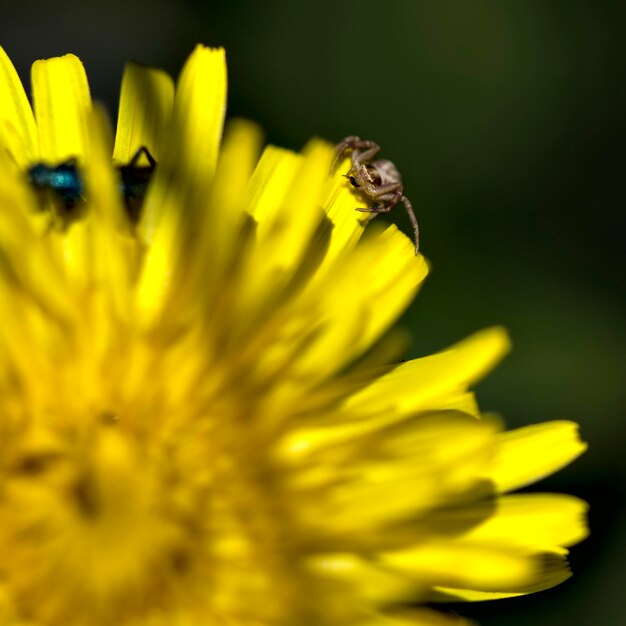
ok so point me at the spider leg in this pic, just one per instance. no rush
(388, 188)
(347, 143)
(377, 208)
(411, 213)
(341, 148)
(351, 143)
(387, 207)
(376, 191)
(363, 157)
(357, 143)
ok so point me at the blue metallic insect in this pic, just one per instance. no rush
(66, 185)
(63, 180)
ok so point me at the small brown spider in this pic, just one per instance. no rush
(380, 180)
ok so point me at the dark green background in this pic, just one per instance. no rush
(507, 120)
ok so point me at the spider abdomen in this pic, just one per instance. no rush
(387, 172)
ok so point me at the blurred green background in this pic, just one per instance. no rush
(507, 120)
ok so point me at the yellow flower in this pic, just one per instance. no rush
(198, 422)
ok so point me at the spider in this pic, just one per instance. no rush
(380, 180)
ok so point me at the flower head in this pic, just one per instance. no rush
(199, 421)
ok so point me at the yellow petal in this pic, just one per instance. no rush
(366, 578)
(264, 277)
(418, 384)
(541, 521)
(191, 148)
(199, 110)
(219, 235)
(458, 564)
(348, 224)
(18, 132)
(183, 178)
(113, 249)
(287, 192)
(416, 617)
(359, 296)
(549, 570)
(273, 176)
(146, 102)
(387, 475)
(35, 275)
(62, 102)
(528, 454)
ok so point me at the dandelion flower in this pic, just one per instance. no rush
(199, 422)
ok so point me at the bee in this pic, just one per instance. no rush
(66, 184)
(377, 179)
